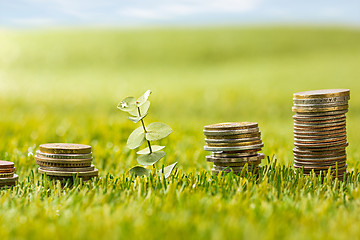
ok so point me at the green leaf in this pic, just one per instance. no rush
(140, 171)
(128, 104)
(168, 170)
(141, 100)
(150, 159)
(143, 110)
(136, 119)
(136, 138)
(154, 148)
(157, 131)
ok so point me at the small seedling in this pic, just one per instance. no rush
(149, 156)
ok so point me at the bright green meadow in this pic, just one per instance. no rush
(64, 86)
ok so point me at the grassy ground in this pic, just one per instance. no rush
(63, 86)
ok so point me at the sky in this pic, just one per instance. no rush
(50, 13)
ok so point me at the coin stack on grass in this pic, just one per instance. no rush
(63, 161)
(7, 176)
(320, 131)
(233, 145)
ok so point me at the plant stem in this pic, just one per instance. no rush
(143, 124)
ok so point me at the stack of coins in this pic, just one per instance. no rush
(64, 160)
(320, 131)
(7, 176)
(233, 145)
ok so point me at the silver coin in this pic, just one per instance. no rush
(238, 148)
(321, 100)
(229, 132)
(59, 169)
(64, 156)
(9, 180)
(320, 105)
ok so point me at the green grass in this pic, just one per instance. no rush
(64, 85)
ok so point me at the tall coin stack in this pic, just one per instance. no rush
(320, 131)
(233, 145)
(64, 160)
(7, 176)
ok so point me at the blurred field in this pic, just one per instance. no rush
(64, 85)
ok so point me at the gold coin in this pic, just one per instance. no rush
(6, 175)
(325, 109)
(231, 126)
(324, 93)
(237, 136)
(6, 164)
(65, 148)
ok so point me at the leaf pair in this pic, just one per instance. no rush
(154, 131)
(136, 107)
(141, 171)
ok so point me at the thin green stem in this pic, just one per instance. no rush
(143, 124)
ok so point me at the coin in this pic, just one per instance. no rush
(311, 122)
(319, 124)
(253, 158)
(322, 105)
(60, 169)
(340, 169)
(231, 126)
(7, 170)
(321, 133)
(307, 152)
(320, 145)
(6, 175)
(237, 144)
(64, 156)
(321, 100)
(317, 110)
(235, 136)
(93, 173)
(319, 140)
(320, 114)
(65, 148)
(301, 118)
(235, 140)
(229, 132)
(237, 148)
(324, 93)
(9, 180)
(249, 153)
(315, 161)
(6, 164)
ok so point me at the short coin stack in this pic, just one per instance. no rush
(65, 160)
(7, 176)
(233, 145)
(320, 131)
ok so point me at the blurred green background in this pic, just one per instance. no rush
(64, 86)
